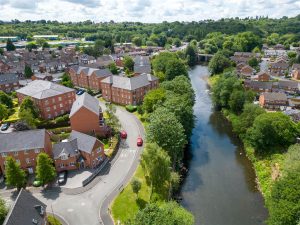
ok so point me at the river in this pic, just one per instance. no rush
(220, 186)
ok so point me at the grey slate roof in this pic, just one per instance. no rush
(288, 84)
(8, 78)
(85, 142)
(41, 89)
(130, 83)
(87, 101)
(88, 71)
(69, 148)
(275, 96)
(22, 140)
(25, 210)
(142, 64)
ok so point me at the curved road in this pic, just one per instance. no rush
(91, 207)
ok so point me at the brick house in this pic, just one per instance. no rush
(42, 76)
(273, 100)
(88, 77)
(26, 209)
(258, 86)
(279, 68)
(289, 86)
(127, 91)
(296, 71)
(51, 99)
(243, 57)
(86, 116)
(24, 147)
(4, 67)
(246, 71)
(261, 76)
(80, 151)
(9, 82)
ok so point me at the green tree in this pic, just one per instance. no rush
(31, 46)
(45, 171)
(28, 104)
(165, 130)
(157, 165)
(153, 99)
(66, 81)
(15, 176)
(137, 41)
(28, 72)
(175, 68)
(113, 68)
(3, 112)
(5, 99)
(1, 51)
(177, 42)
(161, 61)
(169, 213)
(45, 45)
(136, 186)
(218, 63)
(10, 46)
(191, 55)
(128, 63)
(246, 119)
(292, 159)
(238, 98)
(27, 117)
(253, 62)
(112, 120)
(40, 41)
(271, 130)
(3, 210)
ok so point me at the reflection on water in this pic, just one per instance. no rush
(220, 187)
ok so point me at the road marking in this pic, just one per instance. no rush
(70, 210)
(82, 204)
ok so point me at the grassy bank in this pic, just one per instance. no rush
(127, 204)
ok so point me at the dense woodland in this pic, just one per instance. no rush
(155, 34)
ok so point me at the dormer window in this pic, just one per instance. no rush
(64, 157)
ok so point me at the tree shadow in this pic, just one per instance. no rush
(141, 203)
(51, 192)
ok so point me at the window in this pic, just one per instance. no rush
(15, 153)
(37, 150)
(72, 164)
(27, 160)
(17, 161)
(70, 101)
(61, 165)
(46, 102)
(61, 105)
(3, 154)
(53, 100)
(48, 109)
(26, 151)
(64, 157)
(59, 99)
(54, 107)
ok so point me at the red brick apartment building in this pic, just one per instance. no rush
(79, 151)
(9, 82)
(88, 77)
(51, 99)
(86, 116)
(273, 100)
(24, 146)
(127, 91)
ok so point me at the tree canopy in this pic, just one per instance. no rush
(45, 171)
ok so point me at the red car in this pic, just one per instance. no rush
(139, 141)
(123, 134)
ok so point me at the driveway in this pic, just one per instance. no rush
(84, 208)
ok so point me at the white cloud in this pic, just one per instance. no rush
(144, 10)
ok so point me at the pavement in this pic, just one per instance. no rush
(89, 205)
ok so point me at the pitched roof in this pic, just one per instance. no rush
(26, 210)
(85, 142)
(130, 83)
(8, 78)
(87, 101)
(22, 140)
(69, 148)
(41, 89)
(288, 84)
(275, 96)
(89, 71)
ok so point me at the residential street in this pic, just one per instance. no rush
(84, 208)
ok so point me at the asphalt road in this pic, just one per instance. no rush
(87, 207)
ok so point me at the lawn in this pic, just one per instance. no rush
(126, 205)
(15, 116)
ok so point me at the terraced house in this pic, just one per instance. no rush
(87, 77)
(128, 91)
(51, 99)
(9, 82)
(24, 147)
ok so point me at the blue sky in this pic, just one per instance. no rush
(144, 10)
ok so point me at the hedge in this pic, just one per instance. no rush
(131, 108)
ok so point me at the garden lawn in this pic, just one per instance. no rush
(126, 205)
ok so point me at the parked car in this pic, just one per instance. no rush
(139, 141)
(37, 183)
(80, 92)
(62, 177)
(5, 126)
(123, 134)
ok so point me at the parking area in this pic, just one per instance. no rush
(9, 130)
(76, 177)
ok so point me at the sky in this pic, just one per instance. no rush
(144, 10)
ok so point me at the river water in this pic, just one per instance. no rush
(220, 186)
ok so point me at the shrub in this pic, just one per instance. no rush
(131, 108)
(53, 220)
